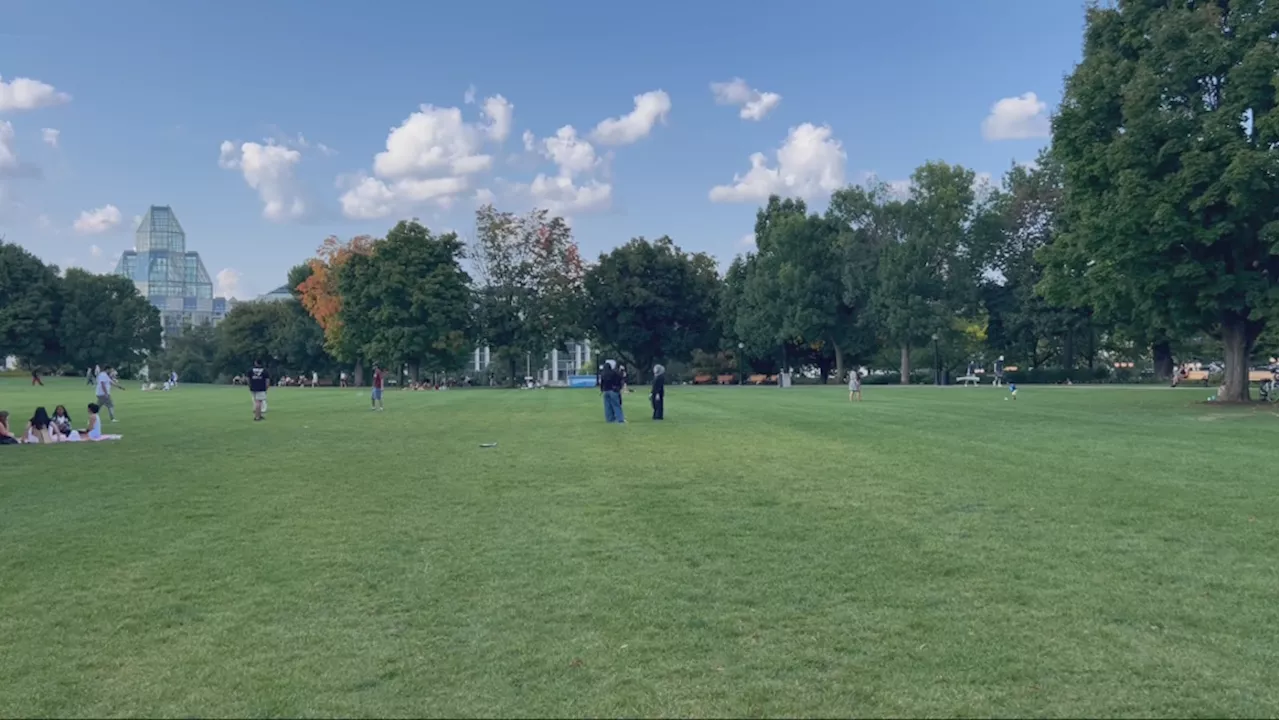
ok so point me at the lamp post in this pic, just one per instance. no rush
(740, 347)
(937, 362)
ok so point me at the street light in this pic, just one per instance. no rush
(937, 362)
(740, 347)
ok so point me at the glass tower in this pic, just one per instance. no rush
(170, 276)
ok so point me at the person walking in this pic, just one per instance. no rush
(35, 377)
(611, 389)
(375, 395)
(855, 385)
(259, 381)
(658, 392)
(103, 391)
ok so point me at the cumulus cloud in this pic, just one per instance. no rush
(268, 169)
(50, 136)
(1017, 118)
(429, 158)
(499, 113)
(485, 196)
(93, 222)
(27, 94)
(227, 284)
(810, 164)
(650, 108)
(469, 97)
(563, 193)
(8, 156)
(753, 104)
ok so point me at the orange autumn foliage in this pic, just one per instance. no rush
(319, 293)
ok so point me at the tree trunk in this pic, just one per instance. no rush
(1237, 342)
(358, 376)
(511, 364)
(1163, 358)
(416, 369)
(1069, 350)
(839, 361)
(904, 370)
(1093, 345)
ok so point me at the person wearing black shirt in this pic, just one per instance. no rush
(611, 388)
(259, 381)
(657, 393)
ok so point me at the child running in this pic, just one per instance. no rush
(1013, 391)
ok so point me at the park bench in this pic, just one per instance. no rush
(1201, 376)
(701, 379)
(969, 380)
(724, 379)
(757, 379)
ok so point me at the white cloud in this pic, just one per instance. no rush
(432, 140)
(50, 136)
(469, 97)
(485, 196)
(574, 157)
(747, 242)
(651, 107)
(561, 196)
(570, 153)
(27, 94)
(529, 140)
(92, 222)
(227, 284)
(810, 165)
(8, 156)
(754, 104)
(1017, 118)
(429, 158)
(268, 169)
(498, 111)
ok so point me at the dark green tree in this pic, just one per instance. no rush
(653, 302)
(105, 321)
(1167, 134)
(30, 306)
(193, 355)
(417, 298)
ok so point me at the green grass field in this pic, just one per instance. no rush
(931, 552)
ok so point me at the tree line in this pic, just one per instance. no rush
(1146, 230)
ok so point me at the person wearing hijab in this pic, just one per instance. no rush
(658, 392)
(611, 389)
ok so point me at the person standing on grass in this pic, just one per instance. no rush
(375, 395)
(855, 385)
(259, 381)
(35, 377)
(103, 391)
(88, 376)
(611, 389)
(658, 393)
(342, 379)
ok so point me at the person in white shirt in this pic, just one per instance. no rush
(103, 388)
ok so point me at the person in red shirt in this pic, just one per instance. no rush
(376, 395)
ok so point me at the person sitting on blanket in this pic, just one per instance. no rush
(94, 430)
(38, 430)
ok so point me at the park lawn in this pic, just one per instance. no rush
(1077, 552)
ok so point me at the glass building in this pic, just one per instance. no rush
(170, 276)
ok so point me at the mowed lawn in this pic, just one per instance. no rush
(930, 552)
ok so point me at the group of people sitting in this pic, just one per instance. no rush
(44, 429)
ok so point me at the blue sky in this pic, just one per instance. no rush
(256, 120)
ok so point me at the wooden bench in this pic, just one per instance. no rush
(1201, 376)
(724, 379)
(701, 379)
(757, 379)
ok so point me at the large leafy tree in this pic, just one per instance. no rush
(653, 302)
(105, 321)
(30, 306)
(928, 274)
(193, 355)
(319, 295)
(1167, 134)
(416, 298)
(529, 282)
(249, 332)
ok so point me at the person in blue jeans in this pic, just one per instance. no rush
(611, 390)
